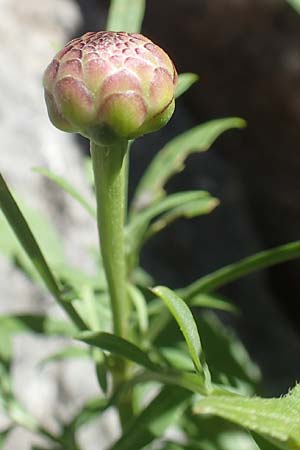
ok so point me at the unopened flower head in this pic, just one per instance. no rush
(110, 84)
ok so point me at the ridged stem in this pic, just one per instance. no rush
(110, 174)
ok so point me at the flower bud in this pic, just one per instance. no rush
(107, 84)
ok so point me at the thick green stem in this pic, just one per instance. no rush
(110, 173)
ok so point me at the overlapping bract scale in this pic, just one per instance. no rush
(113, 83)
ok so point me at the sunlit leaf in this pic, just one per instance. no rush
(170, 159)
(118, 346)
(187, 324)
(126, 15)
(26, 238)
(185, 81)
(188, 210)
(276, 418)
(186, 204)
(177, 357)
(48, 238)
(213, 302)
(248, 265)
(227, 357)
(140, 305)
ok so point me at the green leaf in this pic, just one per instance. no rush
(188, 210)
(263, 444)
(49, 242)
(164, 410)
(126, 15)
(90, 411)
(187, 204)
(101, 369)
(46, 448)
(295, 4)
(185, 81)
(67, 187)
(213, 302)
(177, 358)
(32, 249)
(188, 327)
(276, 418)
(214, 433)
(117, 346)
(3, 436)
(140, 305)
(170, 159)
(173, 446)
(228, 360)
(248, 265)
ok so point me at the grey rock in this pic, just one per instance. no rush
(31, 32)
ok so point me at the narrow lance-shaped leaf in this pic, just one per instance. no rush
(126, 15)
(170, 159)
(140, 305)
(213, 302)
(67, 187)
(185, 81)
(47, 236)
(182, 203)
(117, 346)
(193, 208)
(277, 419)
(24, 234)
(248, 265)
(125, 349)
(187, 324)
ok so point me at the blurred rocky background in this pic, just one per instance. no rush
(247, 55)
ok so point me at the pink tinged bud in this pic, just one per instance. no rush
(55, 116)
(74, 101)
(120, 82)
(71, 67)
(161, 90)
(95, 72)
(109, 83)
(50, 75)
(124, 114)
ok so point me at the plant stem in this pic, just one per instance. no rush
(110, 172)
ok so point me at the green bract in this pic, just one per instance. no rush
(109, 84)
